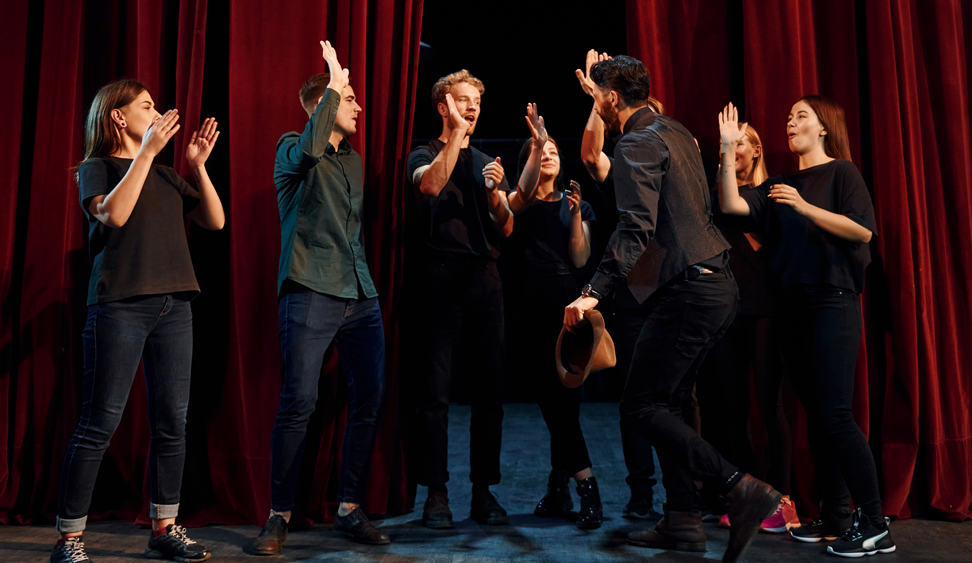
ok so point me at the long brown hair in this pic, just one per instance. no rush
(759, 164)
(101, 136)
(831, 116)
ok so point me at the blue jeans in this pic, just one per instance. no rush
(309, 321)
(158, 330)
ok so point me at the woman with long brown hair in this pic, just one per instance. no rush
(816, 224)
(138, 305)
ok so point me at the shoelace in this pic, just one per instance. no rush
(854, 532)
(179, 532)
(75, 550)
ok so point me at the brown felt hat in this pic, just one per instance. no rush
(588, 349)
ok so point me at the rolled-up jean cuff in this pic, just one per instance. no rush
(163, 511)
(67, 526)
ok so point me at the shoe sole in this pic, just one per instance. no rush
(438, 524)
(364, 542)
(636, 516)
(813, 539)
(789, 526)
(677, 546)
(831, 551)
(152, 554)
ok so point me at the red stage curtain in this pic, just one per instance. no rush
(899, 69)
(58, 54)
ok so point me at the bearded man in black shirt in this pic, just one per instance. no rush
(674, 261)
(464, 215)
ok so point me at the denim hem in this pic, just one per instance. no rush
(163, 511)
(70, 525)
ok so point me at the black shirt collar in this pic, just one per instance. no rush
(636, 118)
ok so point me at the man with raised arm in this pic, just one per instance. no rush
(464, 215)
(674, 260)
(628, 316)
(325, 294)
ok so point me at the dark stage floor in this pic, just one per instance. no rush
(527, 539)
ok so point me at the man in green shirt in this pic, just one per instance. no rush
(325, 294)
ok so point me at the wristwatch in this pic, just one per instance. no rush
(588, 291)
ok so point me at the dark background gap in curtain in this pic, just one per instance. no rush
(900, 70)
(243, 64)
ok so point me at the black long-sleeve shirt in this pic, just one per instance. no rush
(665, 223)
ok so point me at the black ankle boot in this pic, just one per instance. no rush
(589, 515)
(557, 500)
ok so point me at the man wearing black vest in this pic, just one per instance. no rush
(464, 216)
(674, 261)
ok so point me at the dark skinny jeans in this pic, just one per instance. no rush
(820, 337)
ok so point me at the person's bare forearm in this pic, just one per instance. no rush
(436, 176)
(729, 201)
(579, 244)
(209, 213)
(592, 148)
(499, 212)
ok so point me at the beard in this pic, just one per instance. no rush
(609, 115)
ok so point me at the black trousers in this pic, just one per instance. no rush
(540, 316)
(686, 318)
(462, 316)
(820, 337)
(723, 392)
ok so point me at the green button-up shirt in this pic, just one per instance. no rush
(320, 192)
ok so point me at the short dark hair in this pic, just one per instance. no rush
(314, 87)
(625, 75)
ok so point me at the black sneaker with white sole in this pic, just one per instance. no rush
(818, 530)
(175, 545)
(70, 550)
(864, 538)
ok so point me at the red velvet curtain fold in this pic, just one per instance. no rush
(900, 70)
(59, 53)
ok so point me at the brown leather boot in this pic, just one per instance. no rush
(681, 531)
(750, 502)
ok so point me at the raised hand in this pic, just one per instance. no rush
(584, 76)
(458, 121)
(201, 143)
(339, 74)
(788, 195)
(493, 172)
(730, 129)
(574, 198)
(537, 129)
(159, 132)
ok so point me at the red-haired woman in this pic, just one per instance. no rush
(816, 224)
(138, 305)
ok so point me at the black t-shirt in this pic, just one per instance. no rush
(542, 234)
(756, 294)
(149, 254)
(459, 226)
(800, 252)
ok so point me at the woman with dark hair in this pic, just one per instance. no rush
(749, 344)
(554, 243)
(816, 225)
(138, 305)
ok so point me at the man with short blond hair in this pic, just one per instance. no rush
(464, 216)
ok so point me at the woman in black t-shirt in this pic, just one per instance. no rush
(749, 344)
(553, 240)
(138, 305)
(815, 225)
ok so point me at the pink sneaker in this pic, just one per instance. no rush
(724, 521)
(784, 519)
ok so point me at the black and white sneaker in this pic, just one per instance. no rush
(864, 538)
(818, 530)
(175, 545)
(70, 550)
